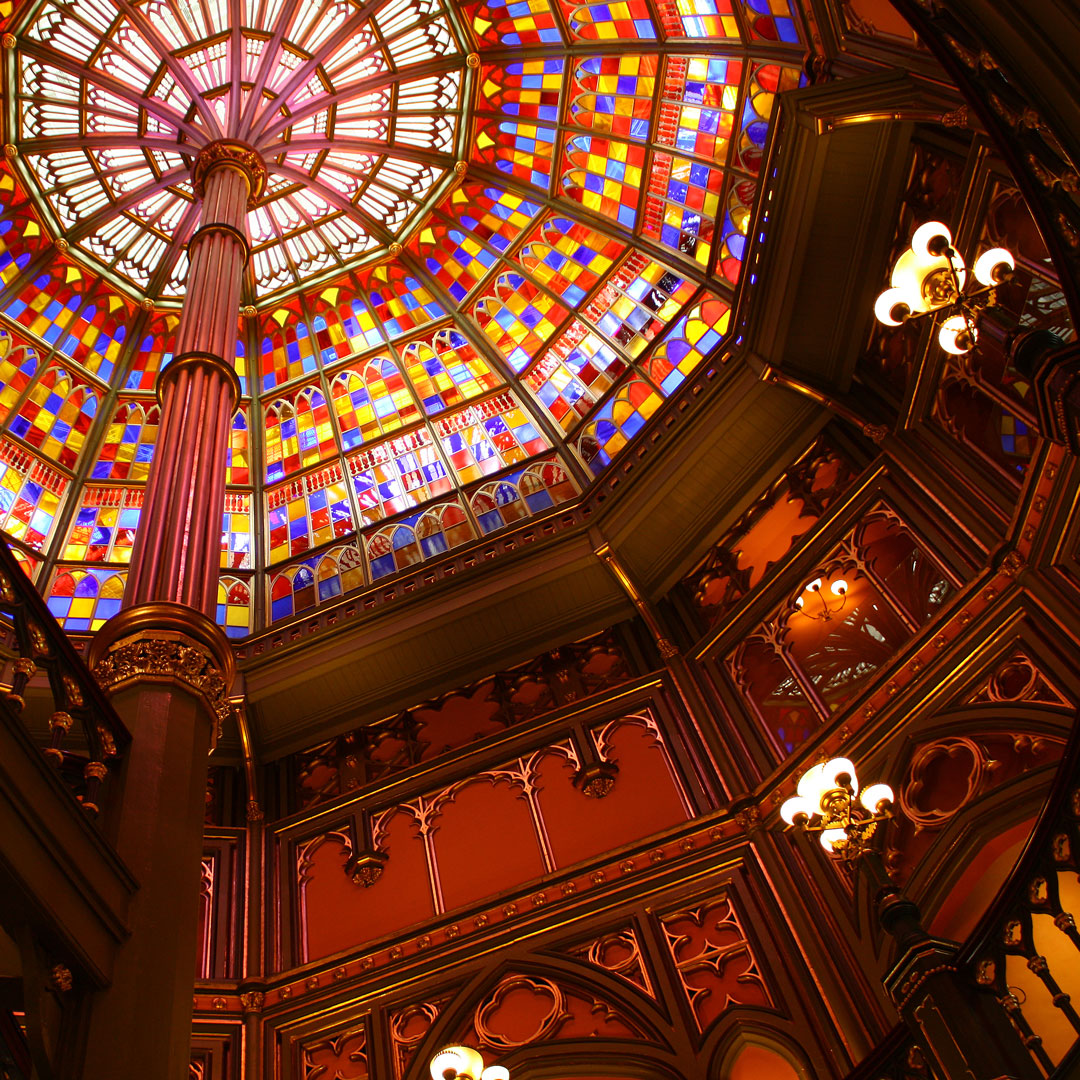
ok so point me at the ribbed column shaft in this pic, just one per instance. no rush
(178, 548)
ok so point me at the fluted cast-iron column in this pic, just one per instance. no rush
(178, 547)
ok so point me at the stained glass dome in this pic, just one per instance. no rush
(495, 240)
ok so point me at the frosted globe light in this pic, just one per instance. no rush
(840, 767)
(495, 1072)
(907, 278)
(956, 337)
(456, 1061)
(812, 786)
(832, 838)
(921, 237)
(888, 301)
(796, 808)
(839, 587)
(989, 262)
(875, 795)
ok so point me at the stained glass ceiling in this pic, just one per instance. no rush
(496, 238)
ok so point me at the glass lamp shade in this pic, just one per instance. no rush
(875, 795)
(888, 301)
(831, 839)
(834, 770)
(812, 786)
(839, 587)
(956, 337)
(907, 278)
(457, 1061)
(989, 262)
(921, 237)
(795, 808)
(495, 1072)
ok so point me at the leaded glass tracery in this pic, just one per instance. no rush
(473, 280)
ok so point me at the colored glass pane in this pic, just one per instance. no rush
(617, 423)
(519, 494)
(736, 223)
(82, 600)
(129, 444)
(447, 370)
(308, 512)
(236, 532)
(520, 22)
(574, 373)
(604, 176)
(21, 236)
(700, 99)
(371, 403)
(238, 463)
(691, 339)
(18, 365)
(519, 148)
(698, 18)
(528, 89)
(154, 351)
(313, 581)
(105, 525)
(614, 95)
(394, 476)
(399, 300)
(30, 494)
(413, 539)
(492, 215)
(610, 20)
(233, 613)
(484, 438)
(298, 433)
(288, 349)
(569, 258)
(766, 81)
(455, 259)
(56, 415)
(680, 212)
(637, 302)
(518, 318)
(771, 20)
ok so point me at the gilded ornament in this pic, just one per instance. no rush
(10, 150)
(60, 978)
(473, 60)
(8, 41)
(146, 303)
(461, 168)
(249, 311)
(61, 245)
(251, 1001)
(237, 154)
(395, 249)
(166, 659)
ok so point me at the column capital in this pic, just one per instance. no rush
(189, 360)
(238, 155)
(164, 642)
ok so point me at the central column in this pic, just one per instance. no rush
(178, 547)
(167, 666)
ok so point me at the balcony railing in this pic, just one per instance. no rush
(47, 690)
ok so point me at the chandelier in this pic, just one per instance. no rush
(826, 804)
(829, 606)
(930, 278)
(464, 1063)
